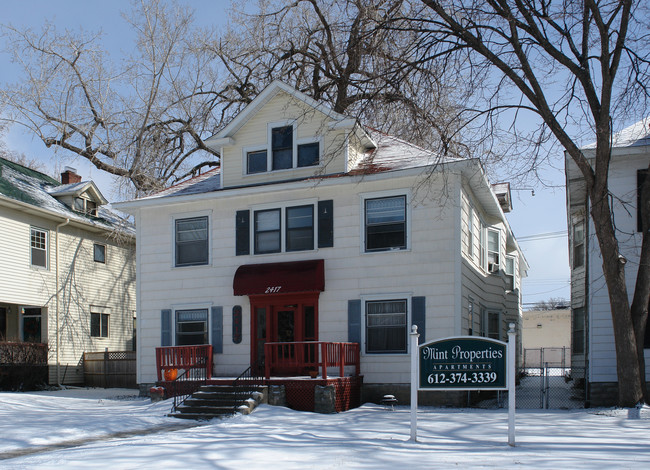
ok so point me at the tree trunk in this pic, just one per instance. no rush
(630, 388)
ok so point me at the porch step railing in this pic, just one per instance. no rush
(189, 361)
(302, 357)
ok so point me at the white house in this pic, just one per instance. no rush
(67, 269)
(593, 347)
(318, 229)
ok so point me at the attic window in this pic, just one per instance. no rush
(86, 206)
(283, 151)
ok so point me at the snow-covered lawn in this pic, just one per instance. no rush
(369, 437)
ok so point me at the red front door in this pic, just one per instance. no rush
(284, 318)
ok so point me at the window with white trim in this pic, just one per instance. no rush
(191, 241)
(385, 223)
(99, 253)
(292, 227)
(493, 324)
(283, 152)
(191, 327)
(39, 247)
(470, 232)
(386, 326)
(99, 324)
(578, 245)
(267, 231)
(510, 273)
(493, 250)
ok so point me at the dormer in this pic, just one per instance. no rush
(284, 135)
(80, 196)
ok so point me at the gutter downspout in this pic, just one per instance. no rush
(58, 366)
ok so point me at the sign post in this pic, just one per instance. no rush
(464, 363)
(414, 383)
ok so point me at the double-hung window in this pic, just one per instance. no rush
(510, 272)
(386, 326)
(578, 339)
(493, 324)
(282, 147)
(578, 245)
(38, 244)
(191, 327)
(267, 231)
(385, 223)
(300, 228)
(493, 250)
(191, 240)
(99, 324)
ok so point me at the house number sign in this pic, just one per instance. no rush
(273, 289)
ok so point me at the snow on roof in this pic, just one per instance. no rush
(636, 135)
(31, 187)
(205, 183)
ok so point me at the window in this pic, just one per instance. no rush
(256, 162)
(191, 327)
(578, 337)
(493, 323)
(641, 176)
(482, 246)
(386, 330)
(282, 147)
(510, 273)
(267, 231)
(191, 241)
(99, 253)
(493, 249)
(99, 324)
(578, 245)
(308, 154)
(31, 324)
(470, 232)
(470, 316)
(385, 223)
(84, 205)
(39, 242)
(300, 228)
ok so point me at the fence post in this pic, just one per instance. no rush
(105, 366)
(342, 350)
(323, 349)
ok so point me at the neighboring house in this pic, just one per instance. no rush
(593, 338)
(318, 229)
(67, 269)
(546, 337)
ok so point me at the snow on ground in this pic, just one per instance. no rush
(370, 437)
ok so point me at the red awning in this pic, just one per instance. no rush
(280, 278)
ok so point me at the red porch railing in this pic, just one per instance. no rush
(185, 358)
(301, 357)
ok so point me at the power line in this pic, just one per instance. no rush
(543, 236)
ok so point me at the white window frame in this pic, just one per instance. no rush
(486, 322)
(574, 245)
(493, 267)
(192, 306)
(470, 232)
(364, 320)
(95, 245)
(46, 232)
(510, 271)
(282, 206)
(191, 215)
(307, 140)
(42, 322)
(102, 315)
(362, 219)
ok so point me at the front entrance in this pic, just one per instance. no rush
(285, 318)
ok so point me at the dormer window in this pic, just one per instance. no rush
(86, 206)
(283, 152)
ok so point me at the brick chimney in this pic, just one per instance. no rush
(70, 175)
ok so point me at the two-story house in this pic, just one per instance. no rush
(67, 269)
(593, 349)
(315, 228)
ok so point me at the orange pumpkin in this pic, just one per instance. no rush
(170, 374)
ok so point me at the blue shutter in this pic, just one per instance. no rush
(419, 315)
(325, 224)
(166, 327)
(354, 321)
(242, 233)
(217, 329)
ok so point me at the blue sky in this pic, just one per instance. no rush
(543, 213)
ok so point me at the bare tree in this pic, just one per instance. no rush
(143, 119)
(573, 66)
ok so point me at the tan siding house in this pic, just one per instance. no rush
(68, 269)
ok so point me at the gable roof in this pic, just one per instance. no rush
(338, 120)
(31, 189)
